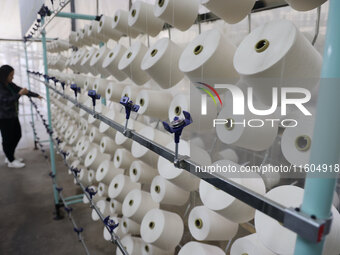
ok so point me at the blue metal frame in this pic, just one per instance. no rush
(52, 154)
(74, 197)
(71, 202)
(326, 147)
(319, 192)
(29, 88)
(75, 16)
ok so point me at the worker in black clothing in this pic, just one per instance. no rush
(9, 122)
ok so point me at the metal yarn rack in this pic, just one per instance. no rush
(311, 230)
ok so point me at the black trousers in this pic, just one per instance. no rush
(11, 134)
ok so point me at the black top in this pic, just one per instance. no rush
(9, 98)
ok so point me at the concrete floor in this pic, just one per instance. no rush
(27, 206)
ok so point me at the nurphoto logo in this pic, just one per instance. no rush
(240, 101)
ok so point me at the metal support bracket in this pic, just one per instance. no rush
(179, 160)
(306, 226)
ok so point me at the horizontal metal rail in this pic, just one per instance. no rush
(304, 225)
(72, 15)
(74, 197)
(76, 201)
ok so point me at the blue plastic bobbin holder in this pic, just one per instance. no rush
(94, 96)
(176, 127)
(129, 107)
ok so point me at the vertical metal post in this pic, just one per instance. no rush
(73, 21)
(102, 99)
(29, 88)
(317, 26)
(97, 7)
(55, 192)
(319, 192)
(249, 23)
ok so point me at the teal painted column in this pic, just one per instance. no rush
(76, 201)
(75, 16)
(325, 149)
(29, 88)
(43, 40)
(80, 196)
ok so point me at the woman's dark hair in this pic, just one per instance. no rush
(5, 70)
